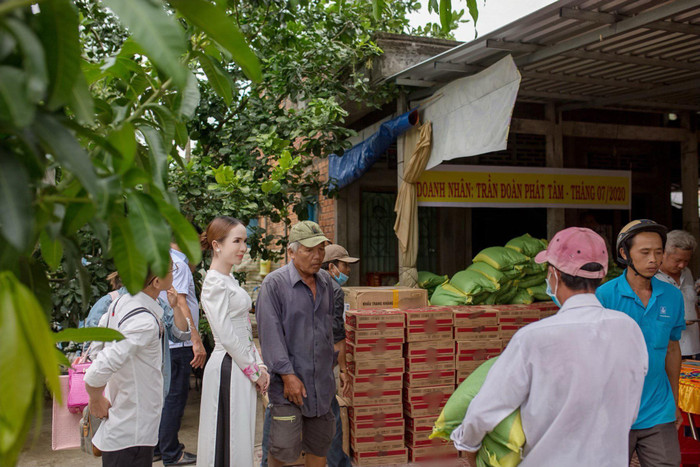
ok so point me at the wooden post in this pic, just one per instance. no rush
(689, 184)
(555, 158)
(401, 108)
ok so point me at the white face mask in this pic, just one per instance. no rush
(553, 293)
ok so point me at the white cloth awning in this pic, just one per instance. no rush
(471, 115)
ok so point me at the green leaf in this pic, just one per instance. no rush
(77, 215)
(58, 31)
(87, 335)
(433, 6)
(15, 106)
(58, 141)
(185, 234)
(207, 17)
(157, 153)
(129, 261)
(81, 102)
(378, 9)
(16, 213)
(151, 230)
(445, 14)
(33, 58)
(167, 123)
(124, 140)
(51, 250)
(220, 81)
(473, 10)
(189, 97)
(160, 36)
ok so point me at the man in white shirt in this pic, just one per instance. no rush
(679, 249)
(577, 377)
(130, 374)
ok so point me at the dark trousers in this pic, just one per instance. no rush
(656, 446)
(336, 457)
(136, 456)
(174, 406)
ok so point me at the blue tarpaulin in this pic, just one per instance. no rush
(345, 169)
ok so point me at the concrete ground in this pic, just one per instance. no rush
(38, 453)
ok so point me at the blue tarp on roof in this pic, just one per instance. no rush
(345, 169)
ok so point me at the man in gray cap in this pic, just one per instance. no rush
(294, 311)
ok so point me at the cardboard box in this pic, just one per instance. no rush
(375, 396)
(373, 333)
(423, 402)
(380, 351)
(417, 439)
(465, 370)
(517, 315)
(416, 410)
(352, 337)
(377, 442)
(375, 413)
(429, 348)
(428, 363)
(376, 367)
(361, 429)
(429, 317)
(375, 319)
(367, 383)
(429, 378)
(471, 316)
(421, 424)
(360, 298)
(432, 453)
(476, 351)
(394, 456)
(435, 333)
(463, 333)
(508, 331)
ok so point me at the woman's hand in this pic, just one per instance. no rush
(263, 382)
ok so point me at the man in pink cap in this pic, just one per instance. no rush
(577, 376)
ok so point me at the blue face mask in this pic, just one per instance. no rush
(341, 278)
(552, 293)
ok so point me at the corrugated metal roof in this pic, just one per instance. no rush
(587, 53)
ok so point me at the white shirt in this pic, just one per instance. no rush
(577, 377)
(131, 369)
(183, 282)
(690, 337)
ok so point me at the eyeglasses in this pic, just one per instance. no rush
(173, 269)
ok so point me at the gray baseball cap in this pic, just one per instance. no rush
(307, 233)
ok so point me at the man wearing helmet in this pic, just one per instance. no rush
(659, 310)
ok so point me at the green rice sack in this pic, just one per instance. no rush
(533, 268)
(473, 283)
(501, 257)
(539, 292)
(515, 273)
(502, 297)
(428, 280)
(447, 295)
(527, 245)
(499, 448)
(493, 274)
(522, 297)
(532, 280)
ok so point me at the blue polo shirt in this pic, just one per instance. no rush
(661, 321)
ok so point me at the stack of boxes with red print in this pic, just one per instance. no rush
(429, 379)
(374, 343)
(477, 337)
(511, 318)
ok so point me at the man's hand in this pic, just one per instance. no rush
(679, 418)
(172, 297)
(294, 390)
(470, 458)
(344, 383)
(200, 354)
(99, 406)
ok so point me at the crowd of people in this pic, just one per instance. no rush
(594, 383)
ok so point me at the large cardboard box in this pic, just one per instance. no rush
(377, 442)
(376, 458)
(430, 362)
(375, 413)
(354, 338)
(360, 298)
(429, 348)
(421, 424)
(429, 317)
(375, 319)
(376, 367)
(420, 439)
(435, 333)
(463, 333)
(429, 378)
(519, 315)
(417, 409)
(375, 396)
(381, 330)
(476, 351)
(379, 351)
(367, 383)
(385, 427)
(427, 401)
(471, 316)
(443, 454)
(466, 369)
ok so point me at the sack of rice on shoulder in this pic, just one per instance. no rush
(502, 447)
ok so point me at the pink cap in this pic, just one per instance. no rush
(574, 247)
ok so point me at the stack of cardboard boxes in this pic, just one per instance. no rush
(477, 337)
(429, 379)
(374, 342)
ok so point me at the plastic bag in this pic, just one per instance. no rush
(447, 295)
(501, 257)
(473, 283)
(527, 245)
(499, 448)
(489, 271)
(429, 281)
